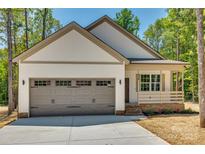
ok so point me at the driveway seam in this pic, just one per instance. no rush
(69, 136)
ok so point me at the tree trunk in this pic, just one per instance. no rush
(201, 66)
(44, 24)
(9, 41)
(26, 26)
(14, 42)
(13, 34)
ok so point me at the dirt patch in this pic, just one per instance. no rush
(3, 111)
(193, 106)
(7, 120)
(176, 129)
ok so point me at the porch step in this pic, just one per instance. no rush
(133, 109)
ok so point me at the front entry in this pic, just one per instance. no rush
(127, 90)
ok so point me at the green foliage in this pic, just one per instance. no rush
(149, 112)
(35, 26)
(178, 28)
(167, 111)
(3, 77)
(128, 21)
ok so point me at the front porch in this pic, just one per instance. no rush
(154, 84)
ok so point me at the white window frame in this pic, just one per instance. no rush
(150, 82)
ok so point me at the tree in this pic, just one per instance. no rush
(153, 35)
(10, 79)
(174, 36)
(128, 21)
(201, 65)
(26, 26)
(44, 24)
(20, 39)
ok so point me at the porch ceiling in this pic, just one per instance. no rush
(169, 62)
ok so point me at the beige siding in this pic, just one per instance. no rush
(72, 47)
(28, 71)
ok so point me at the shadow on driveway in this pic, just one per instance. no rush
(76, 121)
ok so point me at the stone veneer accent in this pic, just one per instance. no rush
(158, 107)
(23, 115)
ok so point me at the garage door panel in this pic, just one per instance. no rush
(63, 91)
(90, 96)
(41, 91)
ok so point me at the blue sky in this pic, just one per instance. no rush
(84, 16)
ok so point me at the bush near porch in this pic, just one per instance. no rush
(161, 108)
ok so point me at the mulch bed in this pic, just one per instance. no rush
(176, 128)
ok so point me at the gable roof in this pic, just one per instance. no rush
(63, 31)
(126, 33)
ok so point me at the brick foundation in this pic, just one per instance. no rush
(158, 107)
(119, 112)
(23, 115)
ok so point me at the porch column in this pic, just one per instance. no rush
(160, 85)
(183, 85)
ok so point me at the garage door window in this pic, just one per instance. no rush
(63, 83)
(83, 83)
(103, 83)
(40, 83)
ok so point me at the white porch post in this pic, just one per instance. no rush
(160, 86)
(183, 85)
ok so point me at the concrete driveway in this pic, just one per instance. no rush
(78, 130)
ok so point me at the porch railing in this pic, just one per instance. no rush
(161, 97)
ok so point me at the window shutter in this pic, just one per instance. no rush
(163, 82)
(137, 82)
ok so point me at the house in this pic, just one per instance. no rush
(95, 70)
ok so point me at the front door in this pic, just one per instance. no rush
(127, 90)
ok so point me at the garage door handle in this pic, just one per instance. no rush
(34, 107)
(111, 106)
(73, 106)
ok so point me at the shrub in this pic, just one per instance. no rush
(167, 111)
(149, 112)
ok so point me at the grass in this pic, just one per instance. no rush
(176, 128)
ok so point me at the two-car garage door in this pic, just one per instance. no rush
(72, 96)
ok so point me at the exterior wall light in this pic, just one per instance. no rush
(23, 82)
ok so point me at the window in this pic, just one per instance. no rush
(150, 82)
(103, 83)
(155, 84)
(83, 83)
(63, 83)
(38, 83)
(145, 82)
